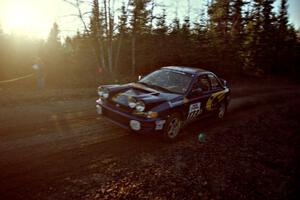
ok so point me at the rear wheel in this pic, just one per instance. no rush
(172, 127)
(222, 111)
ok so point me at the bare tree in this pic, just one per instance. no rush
(104, 37)
(76, 4)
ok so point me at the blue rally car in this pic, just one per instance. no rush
(165, 100)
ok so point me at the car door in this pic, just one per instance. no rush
(217, 93)
(198, 96)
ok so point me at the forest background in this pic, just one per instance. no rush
(234, 38)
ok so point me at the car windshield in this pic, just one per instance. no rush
(167, 80)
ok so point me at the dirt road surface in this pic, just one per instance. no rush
(54, 146)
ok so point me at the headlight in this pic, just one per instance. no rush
(131, 102)
(103, 92)
(140, 106)
(100, 91)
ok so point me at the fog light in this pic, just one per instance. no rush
(135, 125)
(160, 124)
(151, 114)
(99, 109)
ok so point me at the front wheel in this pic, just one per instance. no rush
(172, 128)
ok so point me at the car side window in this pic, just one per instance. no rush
(203, 83)
(214, 82)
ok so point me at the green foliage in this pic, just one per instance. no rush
(175, 26)
(161, 24)
(123, 21)
(140, 20)
(185, 29)
(52, 52)
(54, 39)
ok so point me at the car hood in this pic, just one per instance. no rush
(151, 97)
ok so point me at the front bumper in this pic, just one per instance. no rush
(129, 121)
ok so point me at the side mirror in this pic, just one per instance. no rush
(224, 82)
(140, 77)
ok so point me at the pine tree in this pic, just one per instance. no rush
(185, 28)
(97, 34)
(200, 26)
(53, 38)
(160, 35)
(237, 20)
(259, 43)
(283, 18)
(123, 20)
(175, 26)
(265, 60)
(251, 44)
(161, 24)
(123, 32)
(139, 26)
(140, 21)
(286, 40)
(219, 13)
(237, 31)
(53, 57)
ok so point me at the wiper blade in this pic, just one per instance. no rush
(140, 82)
(155, 86)
(159, 87)
(143, 83)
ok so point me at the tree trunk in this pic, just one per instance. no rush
(133, 54)
(110, 35)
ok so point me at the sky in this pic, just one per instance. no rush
(34, 18)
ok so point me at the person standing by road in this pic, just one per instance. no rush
(40, 72)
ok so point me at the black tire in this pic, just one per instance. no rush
(222, 110)
(172, 128)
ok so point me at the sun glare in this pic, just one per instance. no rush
(25, 18)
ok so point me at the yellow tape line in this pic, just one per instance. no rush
(16, 79)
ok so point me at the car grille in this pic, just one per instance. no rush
(116, 117)
(120, 107)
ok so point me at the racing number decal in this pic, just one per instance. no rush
(195, 110)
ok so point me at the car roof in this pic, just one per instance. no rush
(189, 70)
